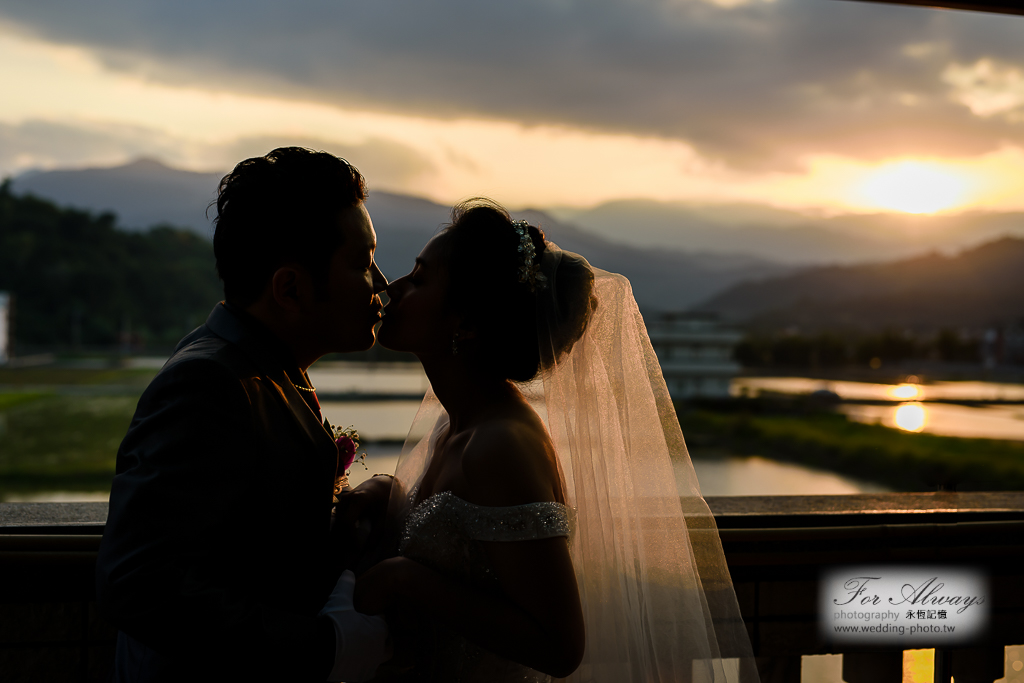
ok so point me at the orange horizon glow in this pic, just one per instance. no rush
(193, 128)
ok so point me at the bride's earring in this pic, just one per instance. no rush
(455, 344)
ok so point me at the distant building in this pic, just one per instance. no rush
(1003, 345)
(5, 327)
(695, 352)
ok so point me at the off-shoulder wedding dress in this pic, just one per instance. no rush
(657, 597)
(444, 532)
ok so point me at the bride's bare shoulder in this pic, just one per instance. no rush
(508, 461)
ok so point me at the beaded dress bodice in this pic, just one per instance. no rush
(446, 533)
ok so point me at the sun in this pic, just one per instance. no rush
(913, 187)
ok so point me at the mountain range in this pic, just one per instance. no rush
(790, 237)
(143, 193)
(147, 193)
(754, 264)
(978, 288)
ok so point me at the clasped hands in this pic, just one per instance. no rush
(363, 640)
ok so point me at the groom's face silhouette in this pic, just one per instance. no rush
(337, 311)
(343, 314)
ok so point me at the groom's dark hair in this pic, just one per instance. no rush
(278, 208)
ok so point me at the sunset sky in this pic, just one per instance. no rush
(819, 105)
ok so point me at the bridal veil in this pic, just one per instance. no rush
(658, 601)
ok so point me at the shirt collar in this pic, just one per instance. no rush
(265, 348)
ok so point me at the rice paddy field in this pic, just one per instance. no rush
(60, 428)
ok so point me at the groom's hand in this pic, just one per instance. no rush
(382, 586)
(362, 641)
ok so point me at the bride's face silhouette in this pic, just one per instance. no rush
(418, 318)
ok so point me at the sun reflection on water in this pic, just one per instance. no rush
(910, 417)
(905, 391)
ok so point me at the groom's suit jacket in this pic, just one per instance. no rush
(215, 559)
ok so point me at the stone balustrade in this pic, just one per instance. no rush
(776, 548)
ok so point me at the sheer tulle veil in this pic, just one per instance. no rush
(658, 601)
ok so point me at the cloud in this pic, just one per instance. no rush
(41, 144)
(987, 88)
(384, 163)
(755, 84)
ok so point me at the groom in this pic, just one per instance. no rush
(216, 562)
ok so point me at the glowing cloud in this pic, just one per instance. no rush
(65, 107)
(985, 87)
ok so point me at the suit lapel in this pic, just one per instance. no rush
(323, 442)
(304, 415)
(269, 355)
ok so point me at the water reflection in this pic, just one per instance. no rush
(869, 391)
(914, 413)
(375, 420)
(905, 406)
(57, 497)
(905, 391)
(339, 377)
(910, 417)
(756, 476)
(988, 422)
(732, 476)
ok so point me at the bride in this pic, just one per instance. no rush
(542, 531)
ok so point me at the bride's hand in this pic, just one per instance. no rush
(380, 587)
(368, 500)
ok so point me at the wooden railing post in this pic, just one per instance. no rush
(943, 665)
(780, 669)
(978, 664)
(873, 667)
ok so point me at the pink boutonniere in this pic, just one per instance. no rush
(347, 441)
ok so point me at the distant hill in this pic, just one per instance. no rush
(781, 236)
(976, 288)
(788, 236)
(663, 280)
(143, 193)
(146, 193)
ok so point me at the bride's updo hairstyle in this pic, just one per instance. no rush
(480, 252)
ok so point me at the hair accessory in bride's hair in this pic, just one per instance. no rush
(529, 272)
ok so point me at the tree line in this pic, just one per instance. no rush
(831, 349)
(80, 282)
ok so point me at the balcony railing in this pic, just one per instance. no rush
(776, 547)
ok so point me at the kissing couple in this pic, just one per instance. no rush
(544, 520)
